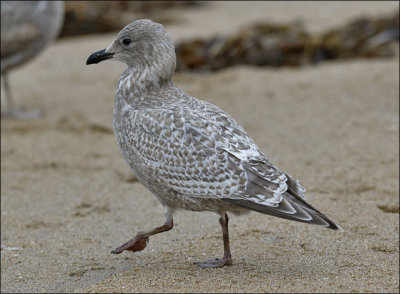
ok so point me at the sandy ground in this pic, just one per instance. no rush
(68, 199)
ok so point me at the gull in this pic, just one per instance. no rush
(27, 27)
(189, 153)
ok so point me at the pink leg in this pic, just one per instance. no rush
(227, 259)
(139, 242)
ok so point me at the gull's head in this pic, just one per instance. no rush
(141, 44)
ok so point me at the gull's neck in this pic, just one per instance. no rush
(136, 82)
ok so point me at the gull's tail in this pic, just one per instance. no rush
(293, 208)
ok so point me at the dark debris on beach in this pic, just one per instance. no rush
(260, 44)
(266, 44)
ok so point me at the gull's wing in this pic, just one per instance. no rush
(186, 152)
(18, 38)
(17, 30)
(200, 151)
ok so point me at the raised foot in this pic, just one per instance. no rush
(135, 244)
(22, 114)
(214, 263)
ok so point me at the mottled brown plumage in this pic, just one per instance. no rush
(190, 153)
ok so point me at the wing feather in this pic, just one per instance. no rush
(200, 151)
(187, 152)
(304, 212)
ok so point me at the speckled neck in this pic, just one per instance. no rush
(136, 82)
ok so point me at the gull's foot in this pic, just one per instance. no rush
(22, 114)
(135, 244)
(215, 263)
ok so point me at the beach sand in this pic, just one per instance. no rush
(68, 198)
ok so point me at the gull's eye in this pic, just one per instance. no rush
(126, 41)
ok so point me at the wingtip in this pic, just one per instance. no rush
(339, 228)
(336, 227)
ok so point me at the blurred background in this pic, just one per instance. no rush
(314, 83)
(260, 41)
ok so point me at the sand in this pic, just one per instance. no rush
(68, 197)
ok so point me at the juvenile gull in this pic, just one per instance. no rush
(26, 28)
(189, 153)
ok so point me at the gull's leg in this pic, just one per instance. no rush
(227, 259)
(139, 242)
(10, 110)
(9, 101)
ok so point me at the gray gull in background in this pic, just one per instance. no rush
(26, 28)
(189, 153)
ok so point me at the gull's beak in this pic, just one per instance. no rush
(98, 56)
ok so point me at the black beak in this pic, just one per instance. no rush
(98, 56)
